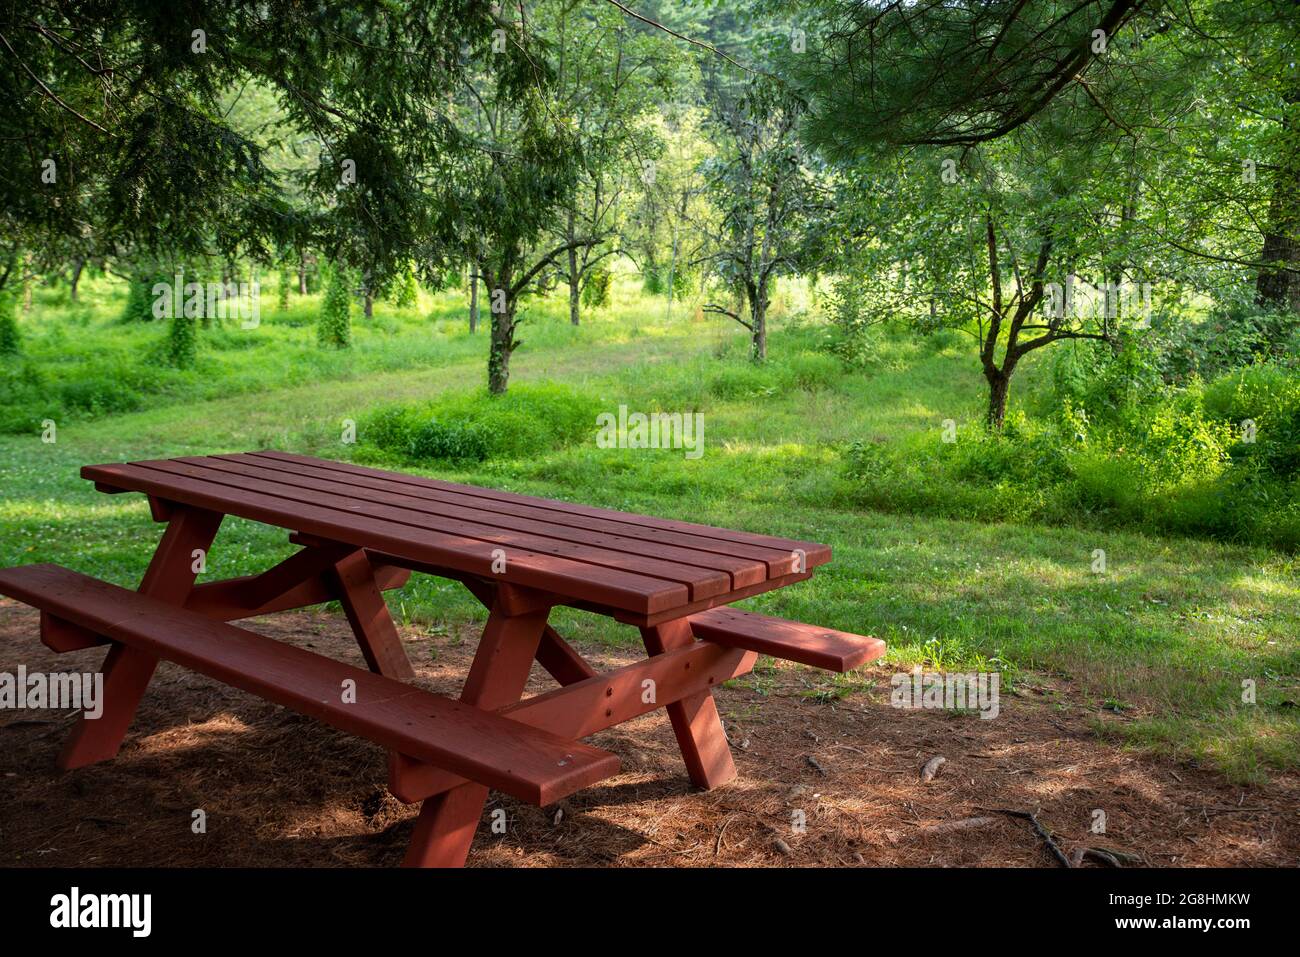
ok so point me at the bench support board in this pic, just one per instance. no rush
(127, 671)
(445, 828)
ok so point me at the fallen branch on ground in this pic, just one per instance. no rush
(1038, 829)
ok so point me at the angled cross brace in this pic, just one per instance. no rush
(695, 716)
(321, 572)
(596, 703)
(310, 576)
(302, 580)
(409, 777)
(556, 655)
(363, 602)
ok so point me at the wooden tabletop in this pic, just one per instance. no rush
(644, 567)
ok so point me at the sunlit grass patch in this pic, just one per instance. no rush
(1246, 746)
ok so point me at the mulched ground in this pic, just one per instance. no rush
(282, 790)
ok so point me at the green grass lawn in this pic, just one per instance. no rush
(1165, 636)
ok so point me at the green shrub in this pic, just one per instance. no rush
(652, 283)
(99, 395)
(1232, 336)
(22, 418)
(685, 281)
(1107, 482)
(1180, 445)
(22, 379)
(811, 371)
(27, 396)
(739, 380)
(389, 427)
(1022, 453)
(529, 420)
(1103, 382)
(182, 341)
(925, 475)
(10, 338)
(942, 339)
(655, 279)
(1260, 404)
(406, 291)
(595, 293)
(855, 329)
(335, 325)
(451, 440)
(1172, 464)
(139, 299)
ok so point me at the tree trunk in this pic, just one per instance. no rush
(574, 290)
(574, 279)
(501, 346)
(27, 282)
(672, 274)
(758, 321)
(78, 265)
(1276, 286)
(473, 299)
(999, 388)
(503, 333)
(302, 274)
(367, 296)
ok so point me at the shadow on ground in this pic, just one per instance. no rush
(278, 789)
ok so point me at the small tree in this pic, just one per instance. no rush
(769, 197)
(501, 201)
(182, 341)
(406, 291)
(286, 278)
(993, 247)
(595, 294)
(10, 337)
(335, 325)
(139, 299)
(611, 81)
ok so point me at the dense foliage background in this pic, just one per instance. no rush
(1005, 279)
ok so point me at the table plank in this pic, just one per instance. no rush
(740, 572)
(701, 582)
(635, 567)
(817, 554)
(777, 559)
(557, 575)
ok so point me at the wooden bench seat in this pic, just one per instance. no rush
(807, 644)
(528, 763)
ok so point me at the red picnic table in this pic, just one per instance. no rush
(363, 531)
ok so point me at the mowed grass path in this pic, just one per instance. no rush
(1159, 644)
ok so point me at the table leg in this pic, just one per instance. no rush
(447, 821)
(127, 671)
(694, 718)
(367, 613)
(445, 828)
(556, 655)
